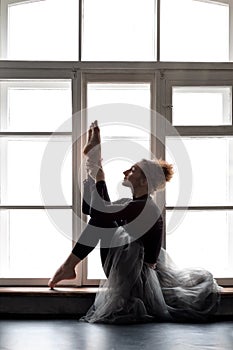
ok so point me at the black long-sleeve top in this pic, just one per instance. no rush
(140, 216)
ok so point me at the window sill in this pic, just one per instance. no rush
(69, 291)
(46, 291)
(227, 291)
(66, 302)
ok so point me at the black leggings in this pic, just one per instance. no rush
(94, 232)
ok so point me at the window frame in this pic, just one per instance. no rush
(163, 73)
(203, 78)
(113, 77)
(21, 134)
(163, 76)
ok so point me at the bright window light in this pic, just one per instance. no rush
(193, 30)
(201, 236)
(36, 105)
(31, 239)
(201, 105)
(212, 171)
(119, 30)
(43, 30)
(21, 181)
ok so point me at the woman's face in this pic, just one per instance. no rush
(133, 176)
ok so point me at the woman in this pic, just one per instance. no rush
(142, 283)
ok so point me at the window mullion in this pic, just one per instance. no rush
(3, 107)
(77, 145)
(80, 29)
(158, 16)
(4, 242)
(3, 28)
(4, 214)
(3, 170)
(231, 31)
(230, 242)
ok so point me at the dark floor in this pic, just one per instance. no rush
(70, 334)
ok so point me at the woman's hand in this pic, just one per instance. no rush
(151, 266)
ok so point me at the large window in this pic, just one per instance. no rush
(199, 226)
(31, 111)
(158, 76)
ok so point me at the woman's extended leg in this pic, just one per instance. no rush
(93, 232)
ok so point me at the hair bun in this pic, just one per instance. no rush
(167, 169)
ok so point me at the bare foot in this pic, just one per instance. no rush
(89, 136)
(93, 138)
(62, 274)
(66, 271)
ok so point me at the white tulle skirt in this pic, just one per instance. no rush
(136, 293)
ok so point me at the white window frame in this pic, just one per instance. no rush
(4, 246)
(212, 78)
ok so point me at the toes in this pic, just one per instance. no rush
(89, 134)
(90, 130)
(51, 284)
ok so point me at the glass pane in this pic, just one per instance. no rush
(123, 112)
(53, 33)
(35, 171)
(210, 175)
(202, 105)
(31, 105)
(202, 239)
(132, 93)
(194, 30)
(94, 268)
(119, 30)
(29, 241)
(121, 107)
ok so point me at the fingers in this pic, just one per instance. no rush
(152, 266)
(94, 125)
